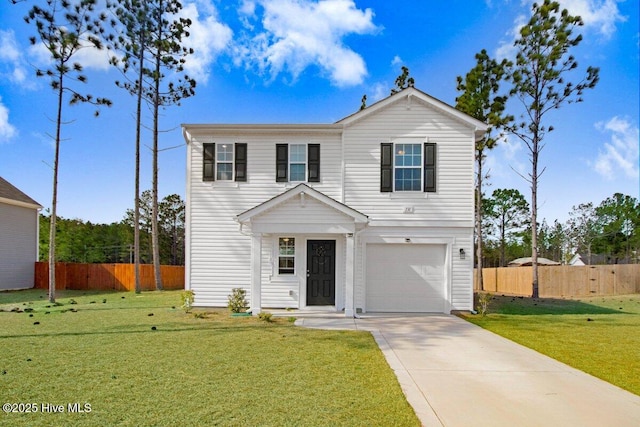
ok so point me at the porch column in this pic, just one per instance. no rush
(256, 273)
(349, 285)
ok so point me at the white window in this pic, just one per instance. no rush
(224, 162)
(286, 255)
(297, 162)
(408, 167)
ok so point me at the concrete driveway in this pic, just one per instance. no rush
(457, 374)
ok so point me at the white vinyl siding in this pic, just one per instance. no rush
(219, 251)
(18, 246)
(453, 200)
(218, 255)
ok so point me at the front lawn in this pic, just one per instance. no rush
(598, 335)
(139, 360)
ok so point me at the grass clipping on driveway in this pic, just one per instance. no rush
(140, 360)
(598, 335)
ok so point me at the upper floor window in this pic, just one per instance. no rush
(224, 162)
(297, 162)
(408, 167)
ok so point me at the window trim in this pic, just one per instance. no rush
(311, 163)
(305, 163)
(238, 162)
(218, 162)
(429, 166)
(292, 256)
(412, 167)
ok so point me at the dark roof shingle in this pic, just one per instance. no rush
(8, 191)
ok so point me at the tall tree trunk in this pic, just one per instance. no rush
(534, 218)
(136, 210)
(155, 231)
(503, 240)
(54, 200)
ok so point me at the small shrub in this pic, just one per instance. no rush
(266, 316)
(238, 301)
(187, 300)
(291, 319)
(484, 299)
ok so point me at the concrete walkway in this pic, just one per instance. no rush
(457, 374)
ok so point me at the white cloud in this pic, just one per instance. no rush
(12, 62)
(506, 159)
(300, 33)
(7, 130)
(598, 15)
(380, 91)
(88, 56)
(506, 49)
(396, 60)
(207, 36)
(620, 153)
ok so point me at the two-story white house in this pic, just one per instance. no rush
(373, 213)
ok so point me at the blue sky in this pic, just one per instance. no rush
(304, 61)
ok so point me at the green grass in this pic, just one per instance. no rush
(598, 335)
(215, 370)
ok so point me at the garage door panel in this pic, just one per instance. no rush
(405, 278)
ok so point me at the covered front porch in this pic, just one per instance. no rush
(302, 251)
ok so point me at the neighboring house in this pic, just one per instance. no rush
(528, 261)
(372, 213)
(18, 237)
(577, 260)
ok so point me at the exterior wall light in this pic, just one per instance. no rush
(462, 253)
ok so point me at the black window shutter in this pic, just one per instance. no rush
(208, 161)
(386, 167)
(430, 167)
(240, 161)
(314, 162)
(282, 162)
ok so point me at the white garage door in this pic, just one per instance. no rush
(405, 278)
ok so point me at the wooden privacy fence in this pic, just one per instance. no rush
(119, 277)
(564, 280)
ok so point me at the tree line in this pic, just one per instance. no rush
(542, 77)
(149, 35)
(607, 233)
(146, 39)
(86, 242)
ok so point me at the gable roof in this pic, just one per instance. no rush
(358, 217)
(11, 195)
(409, 95)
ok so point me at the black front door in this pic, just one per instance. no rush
(321, 272)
